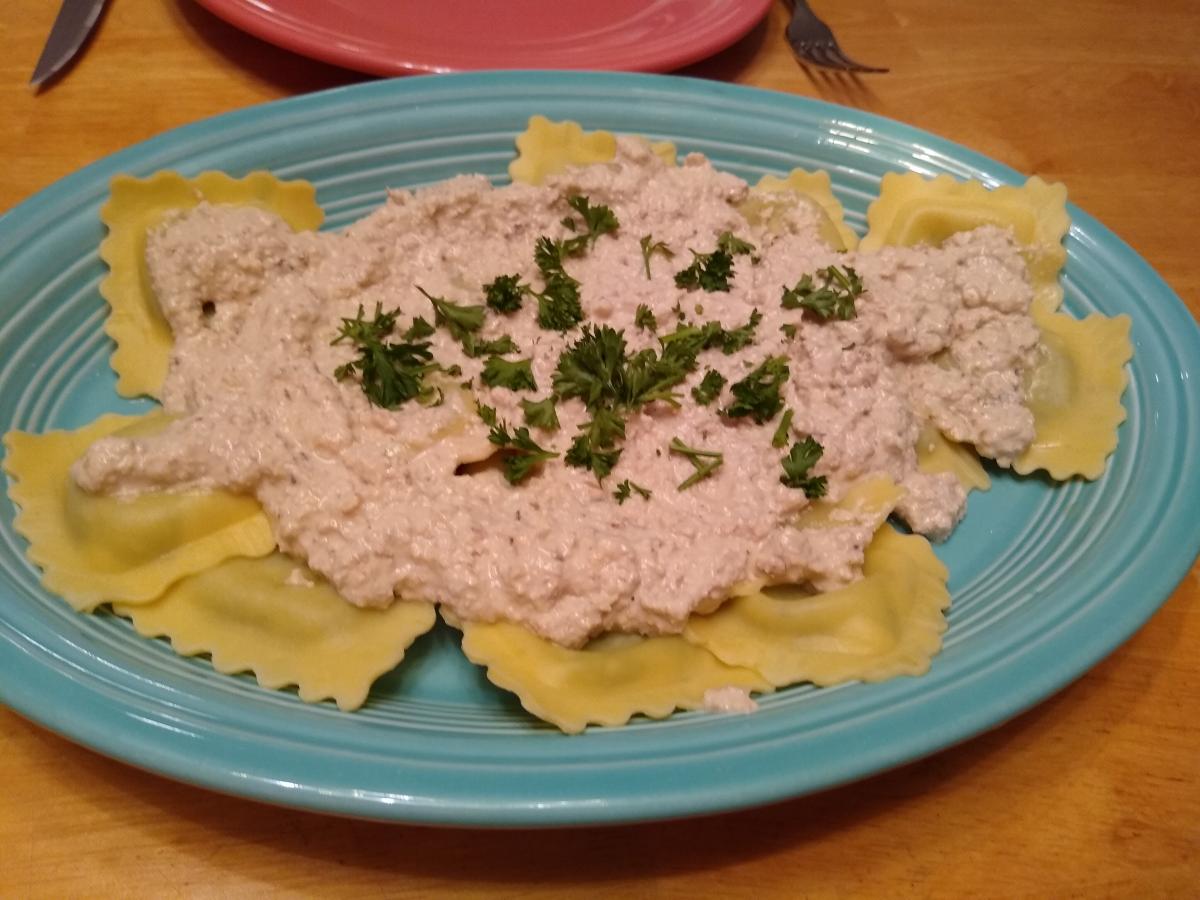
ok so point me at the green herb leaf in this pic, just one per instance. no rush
(758, 394)
(516, 375)
(780, 437)
(789, 330)
(705, 462)
(558, 305)
(650, 247)
(737, 338)
(419, 329)
(708, 271)
(520, 453)
(541, 413)
(626, 488)
(505, 292)
(709, 387)
(584, 454)
(390, 373)
(475, 347)
(833, 299)
(734, 246)
(796, 465)
(644, 319)
(597, 220)
(459, 320)
(592, 368)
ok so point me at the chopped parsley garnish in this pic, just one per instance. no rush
(708, 271)
(597, 220)
(584, 454)
(780, 437)
(558, 302)
(505, 293)
(649, 247)
(475, 347)
(686, 341)
(709, 387)
(758, 394)
(627, 488)
(516, 375)
(597, 370)
(391, 373)
(644, 319)
(549, 254)
(833, 299)
(595, 447)
(789, 330)
(737, 338)
(558, 305)
(611, 383)
(735, 246)
(796, 465)
(711, 271)
(704, 461)
(541, 413)
(459, 320)
(418, 329)
(520, 454)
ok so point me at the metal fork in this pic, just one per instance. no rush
(814, 43)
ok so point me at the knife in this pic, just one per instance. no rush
(75, 20)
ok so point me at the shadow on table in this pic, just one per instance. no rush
(290, 72)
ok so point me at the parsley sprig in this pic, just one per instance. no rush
(520, 454)
(796, 465)
(559, 308)
(644, 319)
(612, 383)
(464, 323)
(649, 247)
(705, 462)
(504, 293)
(712, 272)
(709, 387)
(832, 299)
(541, 413)
(627, 488)
(779, 439)
(390, 372)
(758, 394)
(516, 375)
(597, 220)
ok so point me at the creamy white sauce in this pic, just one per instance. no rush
(729, 700)
(376, 501)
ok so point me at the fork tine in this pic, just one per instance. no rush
(813, 42)
(842, 61)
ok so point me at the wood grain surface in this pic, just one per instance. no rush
(1095, 793)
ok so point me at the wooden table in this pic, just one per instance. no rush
(1094, 793)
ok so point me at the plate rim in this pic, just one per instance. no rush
(265, 24)
(1055, 670)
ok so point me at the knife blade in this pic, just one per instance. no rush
(74, 22)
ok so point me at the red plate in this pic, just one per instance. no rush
(389, 38)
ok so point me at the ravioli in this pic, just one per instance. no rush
(1075, 390)
(136, 205)
(547, 148)
(887, 624)
(96, 549)
(605, 683)
(272, 617)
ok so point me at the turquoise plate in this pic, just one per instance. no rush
(1046, 579)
